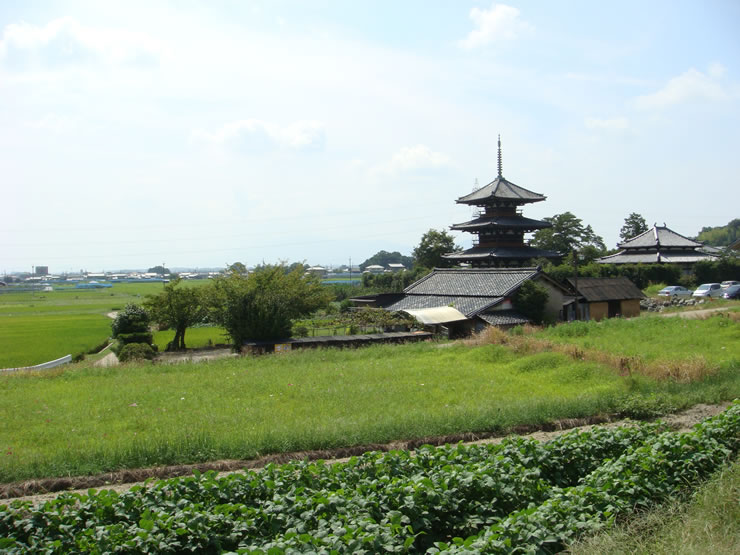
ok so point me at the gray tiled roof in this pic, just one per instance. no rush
(501, 188)
(659, 237)
(480, 282)
(680, 257)
(502, 222)
(467, 305)
(504, 318)
(481, 253)
(607, 289)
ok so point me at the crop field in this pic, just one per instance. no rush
(518, 496)
(86, 420)
(41, 326)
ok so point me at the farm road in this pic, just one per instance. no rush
(694, 314)
(682, 421)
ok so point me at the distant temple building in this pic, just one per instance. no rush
(499, 226)
(660, 245)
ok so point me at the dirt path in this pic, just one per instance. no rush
(694, 314)
(32, 490)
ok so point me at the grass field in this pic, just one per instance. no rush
(195, 338)
(42, 326)
(653, 337)
(86, 420)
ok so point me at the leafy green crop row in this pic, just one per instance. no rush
(519, 496)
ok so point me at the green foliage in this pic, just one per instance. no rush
(394, 282)
(177, 307)
(132, 319)
(566, 235)
(433, 244)
(530, 301)
(136, 352)
(518, 496)
(641, 275)
(261, 306)
(634, 224)
(383, 258)
(237, 268)
(720, 236)
(159, 270)
(714, 271)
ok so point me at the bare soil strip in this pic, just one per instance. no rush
(39, 491)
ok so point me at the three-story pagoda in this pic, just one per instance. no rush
(500, 226)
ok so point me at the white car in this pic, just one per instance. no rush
(726, 284)
(708, 290)
(674, 291)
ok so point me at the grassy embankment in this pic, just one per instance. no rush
(707, 522)
(88, 420)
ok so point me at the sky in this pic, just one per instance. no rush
(198, 134)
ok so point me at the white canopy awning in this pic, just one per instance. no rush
(436, 315)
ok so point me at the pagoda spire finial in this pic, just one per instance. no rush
(499, 156)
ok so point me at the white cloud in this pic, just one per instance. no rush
(66, 42)
(500, 22)
(689, 86)
(614, 124)
(253, 135)
(417, 158)
(53, 123)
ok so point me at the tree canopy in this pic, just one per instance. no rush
(158, 270)
(634, 224)
(237, 267)
(720, 236)
(261, 306)
(433, 244)
(566, 235)
(383, 258)
(177, 308)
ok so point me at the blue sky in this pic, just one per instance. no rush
(204, 133)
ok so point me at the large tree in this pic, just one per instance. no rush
(566, 235)
(433, 244)
(720, 236)
(262, 305)
(383, 258)
(176, 308)
(634, 224)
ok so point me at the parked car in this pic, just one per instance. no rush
(674, 291)
(732, 292)
(726, 284)
(708, 290)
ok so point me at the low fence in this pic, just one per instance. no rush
(43, 366)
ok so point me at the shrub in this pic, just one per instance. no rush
(136, 351)
(132, 319)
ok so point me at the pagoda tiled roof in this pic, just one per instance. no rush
(518, 222)
(503, 189)
(659, 236)
(517, 253)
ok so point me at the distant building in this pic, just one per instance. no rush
(660, 245)
(42, 271)
(396, 267)
(601, 298)
(375, 269)
(483, 296)
(319, 271)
